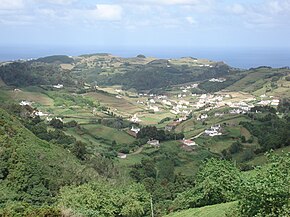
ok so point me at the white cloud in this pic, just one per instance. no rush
(237, 9)
(57, 2)
(11, 4)
(108, 12)
(164, 2)
(278, 6)
(191, 20)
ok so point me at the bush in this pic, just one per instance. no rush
(217, 181)
(105, 199)
(267, 193)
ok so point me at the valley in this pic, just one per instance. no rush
(146, 120)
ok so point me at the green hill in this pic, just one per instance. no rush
(56, 59)
(263, 79)
(32, 170)
(218, 210)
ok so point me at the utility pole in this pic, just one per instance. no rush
(152, 211)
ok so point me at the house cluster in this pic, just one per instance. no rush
(209, 100)
(272, 102)
(181, 107)
(213, 131)
(205, 65)
(152, 100)
(240, 107)
(220, 80)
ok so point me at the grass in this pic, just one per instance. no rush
(188, 162)
(124, 106)
(31, 95)
(218, 210)
(109, 134)
(4, 97)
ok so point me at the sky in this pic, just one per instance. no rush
(145, 23)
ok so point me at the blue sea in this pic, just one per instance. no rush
(235, 57)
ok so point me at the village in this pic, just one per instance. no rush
(177, 106)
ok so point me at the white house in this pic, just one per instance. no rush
(237, 111)
(135, 119)
(275, 102)
(119, 97)
(135, 129)
(59, 86)
(122, 156)
(219, 114)
(24, 103)
(188, 142)
(202, 117)
(154, 142)
(152, 101)
(213, 131)
(154, 108)
(40, 114)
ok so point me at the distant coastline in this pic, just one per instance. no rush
(240, 58)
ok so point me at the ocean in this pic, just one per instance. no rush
(236, 57)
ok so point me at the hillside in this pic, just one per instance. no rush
(140, 73)
(264, 80)
(31, 169)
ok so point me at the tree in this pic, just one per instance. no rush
(284, 105)
(56, 123)
(79, 150)
(235, 147)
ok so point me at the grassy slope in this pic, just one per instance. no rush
(258, 82)
(109, 134)
(218, 210)
(36, 169)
